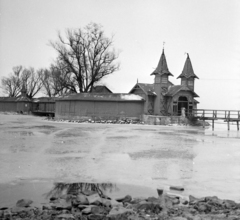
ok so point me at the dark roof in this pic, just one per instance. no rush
(8, 99)
(187, 69)
(102, 97)
(23, 98)
(100, 89)
(148, 88)
(172, 90)
(162, 67)
(15, 99)
(44, 99)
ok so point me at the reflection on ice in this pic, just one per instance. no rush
(61, 188)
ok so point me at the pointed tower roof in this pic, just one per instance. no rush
(187, 69)
(162, 67)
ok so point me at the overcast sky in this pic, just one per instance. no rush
(209, 30)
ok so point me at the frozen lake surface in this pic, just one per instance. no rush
(35, 153)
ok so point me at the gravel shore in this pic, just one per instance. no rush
(95, 205)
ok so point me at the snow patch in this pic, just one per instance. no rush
(131, 97)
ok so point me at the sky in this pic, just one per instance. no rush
(209, 30)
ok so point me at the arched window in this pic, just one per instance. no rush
(183, 99)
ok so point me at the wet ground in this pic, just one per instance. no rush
(136, 159)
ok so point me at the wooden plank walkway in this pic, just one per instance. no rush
(210, 114)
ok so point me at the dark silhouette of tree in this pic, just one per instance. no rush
(32, 81)
(85, 56)
(11, 85)
(30, 78)
(55, 81)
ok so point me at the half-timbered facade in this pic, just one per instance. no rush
(164, 98)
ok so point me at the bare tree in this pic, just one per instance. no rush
(56, 82)
(32, 81)
(85, 56)
(11, 85)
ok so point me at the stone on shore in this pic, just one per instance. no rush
(127, 198)
(24, 203)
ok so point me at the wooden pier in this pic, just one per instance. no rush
(213, 115)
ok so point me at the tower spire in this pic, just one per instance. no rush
(162, 67)
(187, 69)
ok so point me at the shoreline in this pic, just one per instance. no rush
(89, 201)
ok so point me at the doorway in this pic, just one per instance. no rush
(182, 103)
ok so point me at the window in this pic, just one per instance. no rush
(164, 79)
(184, 82)
(190, 82)
(157, 79)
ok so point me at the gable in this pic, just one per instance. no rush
(173, 90)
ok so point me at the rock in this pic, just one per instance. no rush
(81, 207)
(187, 215)
(46, 214)
(179, 218)
(119, 211)
(177, 188)
(94, 199)
(47, 207)
(106, 203)
(82, 199)
(88, 209)
(175, 201)
(7, 213)
(168, 203)
(16, 209)
(229, 204)
(137, 200)
(149, 206)
(114, 203)
(183, 201)
(134, 217)
(202, 208)
(194, 200)
(196, 218)
(98, 210)
(127, 198)
(95, 217)
(24, 203)
(152, 199)
(65, 216)
(62, 204)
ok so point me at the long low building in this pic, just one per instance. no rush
(99, 106)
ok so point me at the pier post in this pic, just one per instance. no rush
(238, 125)
(203, 118)
(228, 125)
(213, 124)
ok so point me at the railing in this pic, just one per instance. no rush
(209, 114)
(232, 115)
